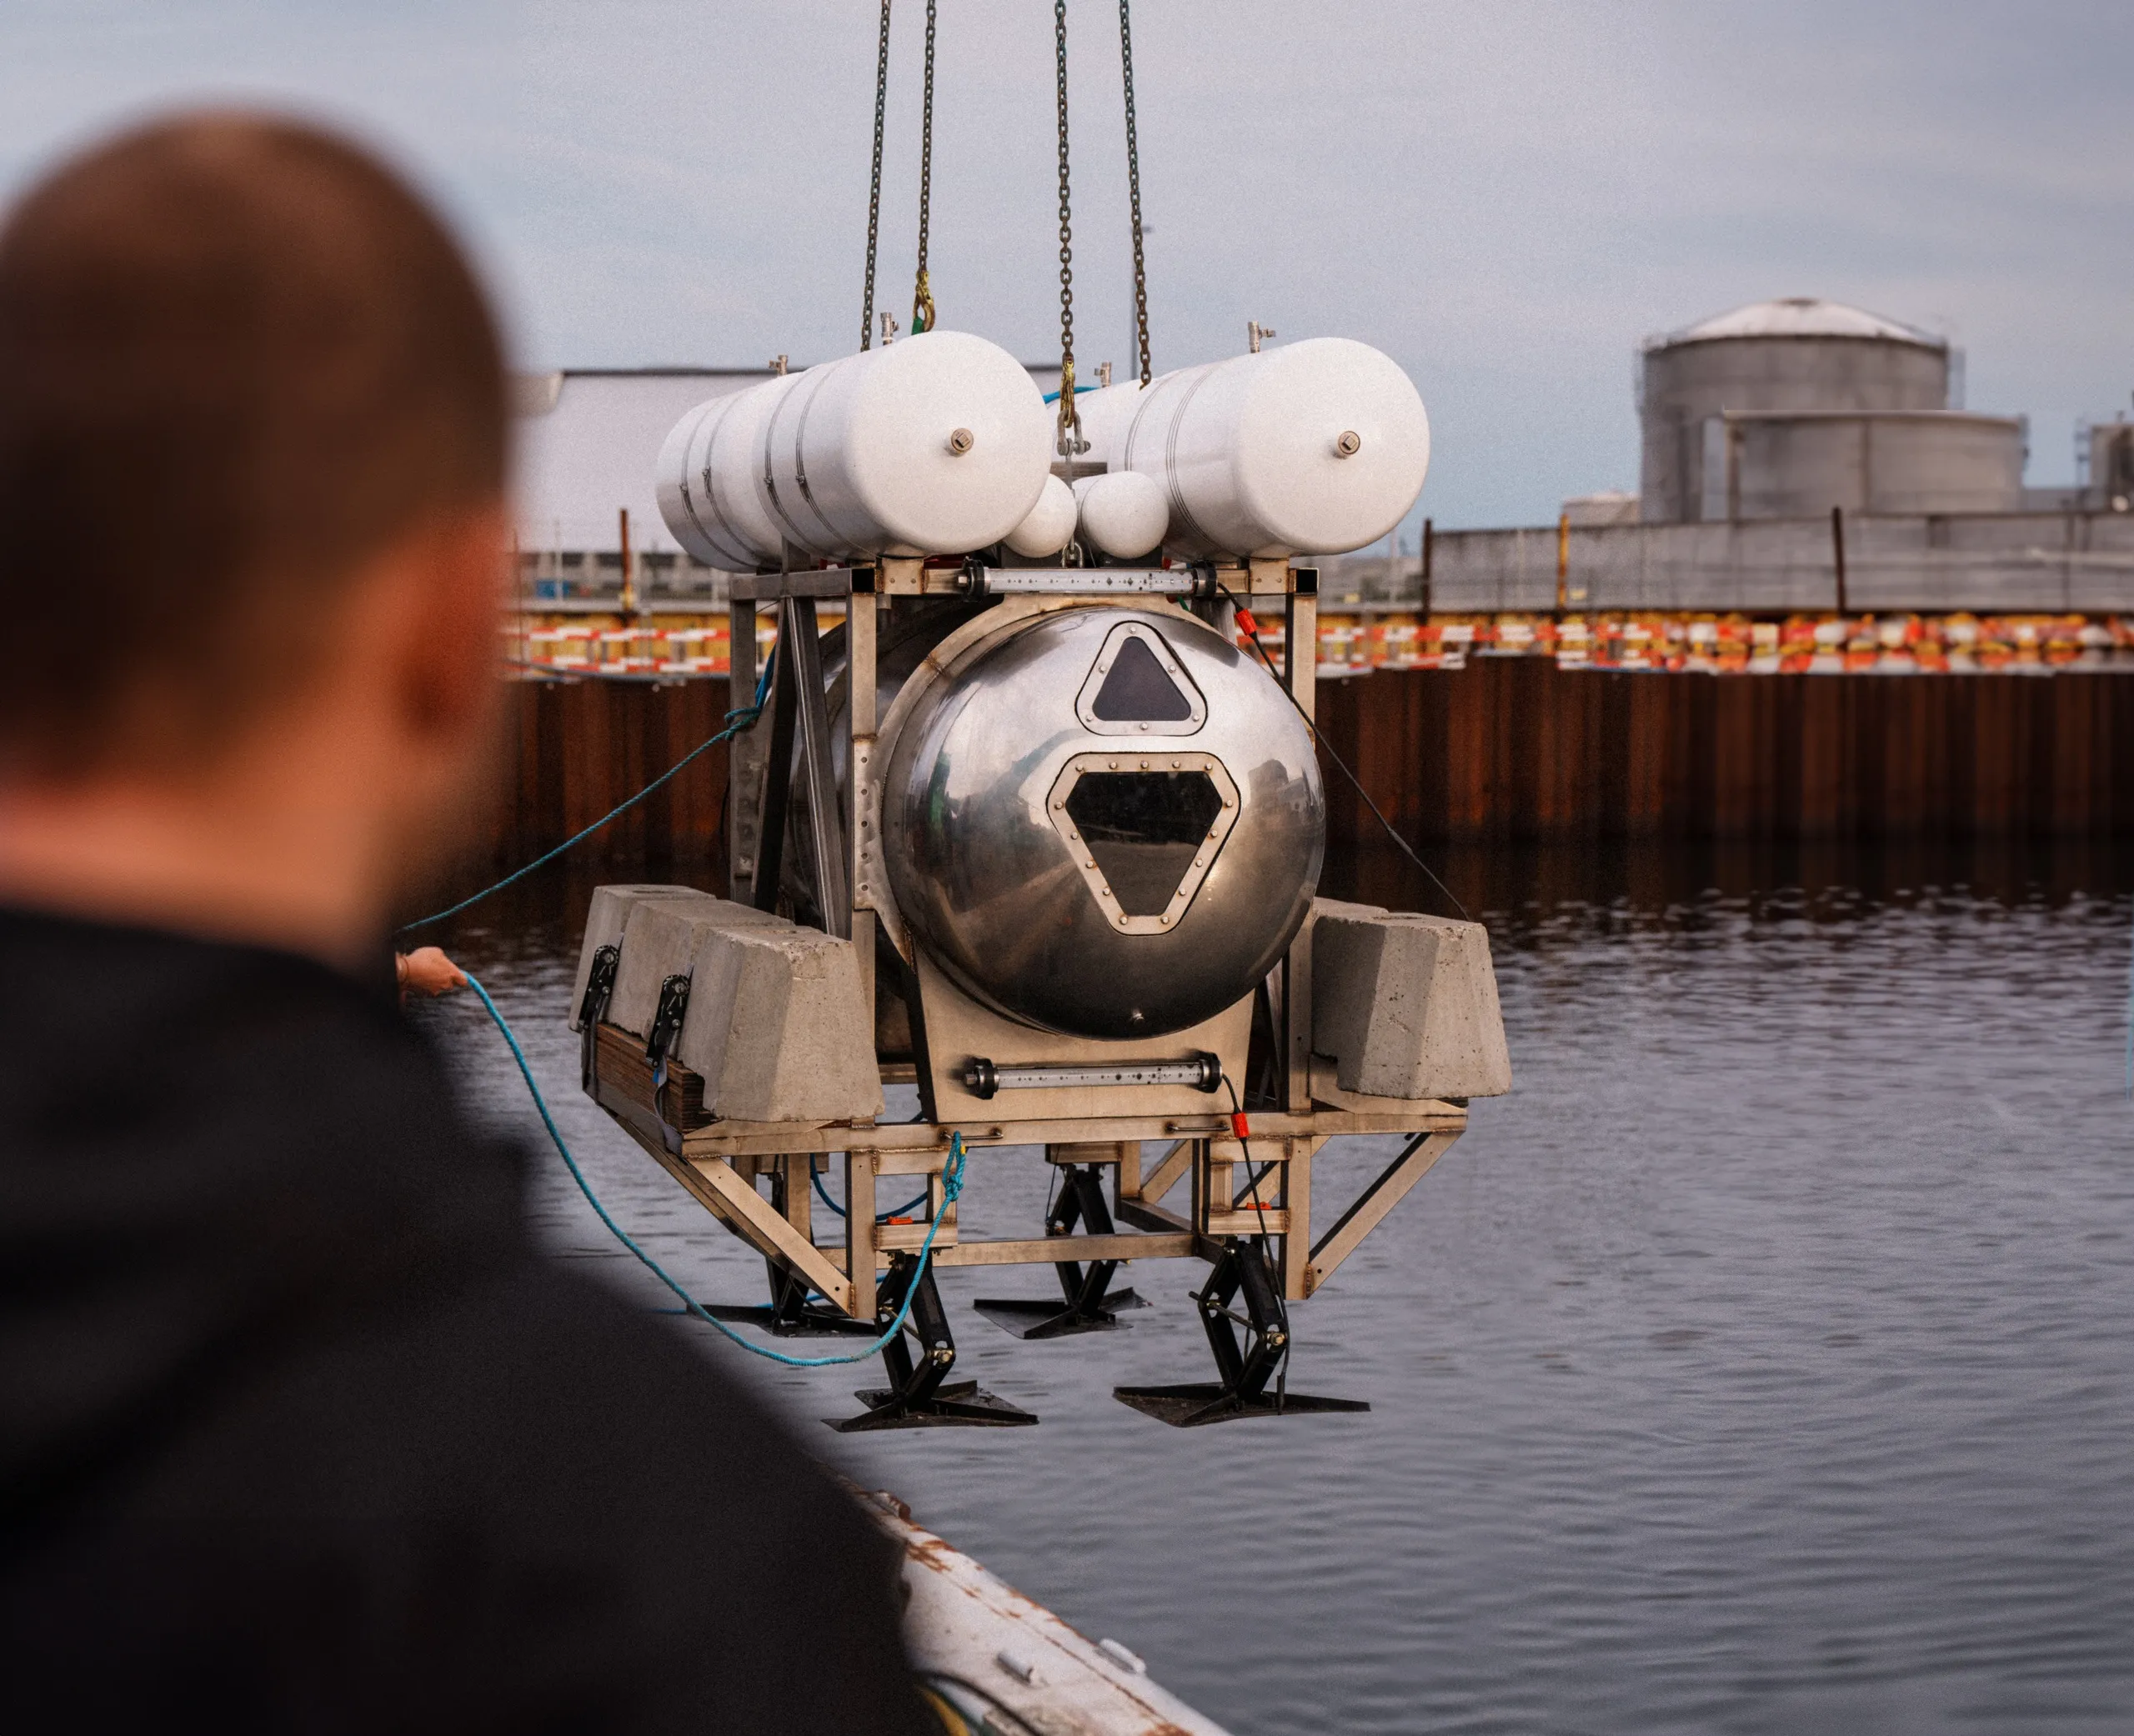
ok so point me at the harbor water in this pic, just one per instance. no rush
(1763, 1362)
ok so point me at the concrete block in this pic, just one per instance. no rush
(661, 939)
(777, 1027)
(1405, 1005)
(776, 1024)
(605, 919)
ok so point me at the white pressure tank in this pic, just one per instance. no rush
(1312, 448)
(939, 444)
(1122, 513)
(1048, 526)
(1105, 415)
(707, 480)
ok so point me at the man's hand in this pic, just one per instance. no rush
(427, 970)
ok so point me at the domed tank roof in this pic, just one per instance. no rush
(1800, 316)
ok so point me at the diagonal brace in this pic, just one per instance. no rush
(1372, 1205)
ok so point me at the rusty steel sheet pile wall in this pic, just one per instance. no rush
(576, 749)
(1512, 748)
(1517, 749)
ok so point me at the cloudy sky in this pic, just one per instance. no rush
(1505, 197)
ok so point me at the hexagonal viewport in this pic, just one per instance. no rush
(1145, 831)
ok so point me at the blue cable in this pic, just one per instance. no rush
(823, 1193)
(736, 721)
(952, 1186)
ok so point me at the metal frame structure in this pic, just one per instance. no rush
(1257, 1229)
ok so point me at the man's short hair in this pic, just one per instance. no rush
(238, 358)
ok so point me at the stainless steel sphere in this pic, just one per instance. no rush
(1106, 822)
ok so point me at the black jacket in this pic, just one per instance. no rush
(297, 1430)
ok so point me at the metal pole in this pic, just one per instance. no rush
(1563, 562)
(1837, 552)
(1426, 604)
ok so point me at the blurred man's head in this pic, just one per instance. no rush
(252, 470)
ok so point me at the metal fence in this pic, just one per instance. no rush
(2017, 562)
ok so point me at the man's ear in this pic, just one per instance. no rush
(456, 581)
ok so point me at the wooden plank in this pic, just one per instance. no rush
(1043, 1250)
(1273, 1222)
(910, 1236)
(1160, 1180)
(859, 1230)
(1371, 1208)
(749, 1214)
(1296, 1195)
(921, 1136)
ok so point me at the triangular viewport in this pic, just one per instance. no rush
(1138, 690)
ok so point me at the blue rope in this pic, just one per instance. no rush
(952, 1185)
(736, 721)
(823, 1193)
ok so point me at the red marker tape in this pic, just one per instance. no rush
(1238, 1124)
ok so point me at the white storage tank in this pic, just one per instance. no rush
(706, 480)
(940, 444)
(1315, 448)
(1795, 357)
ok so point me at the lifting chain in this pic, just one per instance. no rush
(1133, 190)
(1071, 444)
(921, 294)
(874, 187)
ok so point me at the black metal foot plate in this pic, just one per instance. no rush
(1037, 1317)
(961, 1405)
(1202, 1401)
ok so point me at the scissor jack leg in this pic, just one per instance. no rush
(920, 1394)
(1246, 1368)
(1088, 1301)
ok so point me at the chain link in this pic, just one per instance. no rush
(921, 294)
(1071, 444)
(874, 186)
(1133, 190)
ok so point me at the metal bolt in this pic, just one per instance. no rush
(962, 440)
(1349, 444)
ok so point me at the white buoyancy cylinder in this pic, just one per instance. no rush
(937, 445)
(1105, 415)
(1049, 527)
(707, 484)
(1312, 449)
(1122, 513)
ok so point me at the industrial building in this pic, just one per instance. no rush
(1800, 455)
(1787, 408)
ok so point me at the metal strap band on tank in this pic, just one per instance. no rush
(800, 474)
(688, 503)
(742, 556)
(1178, 508)
(769, 466)
(800, 471)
